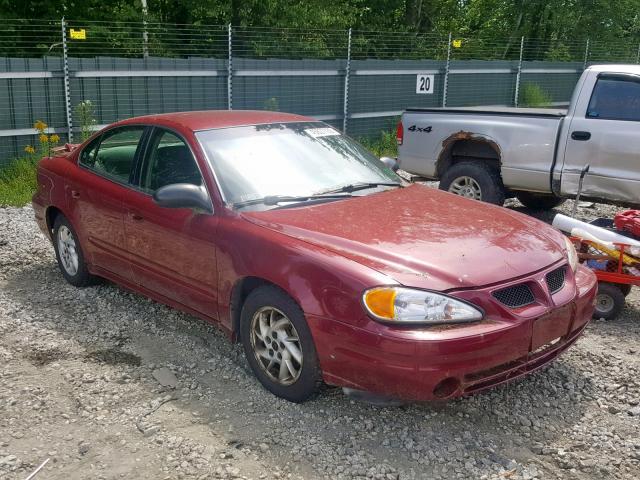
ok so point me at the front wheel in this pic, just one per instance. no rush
(539, 201)
(609, 301)
(474, 179)
(278, 344)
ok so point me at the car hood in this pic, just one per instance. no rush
(423, 237)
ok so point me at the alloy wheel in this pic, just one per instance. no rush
(276, 345)
(466, 187)
(67, 250)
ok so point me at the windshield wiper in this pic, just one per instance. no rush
(353, 187)
(277, 199)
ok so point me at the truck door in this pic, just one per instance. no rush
(605, 133)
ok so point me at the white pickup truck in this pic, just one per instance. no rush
(536, 155)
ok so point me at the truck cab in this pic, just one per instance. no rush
(602, 130)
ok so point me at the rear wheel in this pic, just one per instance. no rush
(278, 344)
(539, 201)
(69, 254)
(474, 179)
(609, 301)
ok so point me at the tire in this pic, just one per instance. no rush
(69, 254)
(267, 351)
(609, 301)
(474, 179)
(625, 288)
(539, 201)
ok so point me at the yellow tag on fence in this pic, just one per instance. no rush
(80, 34)
(457, 43)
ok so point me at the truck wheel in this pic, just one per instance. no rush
(475, 180)
(539, 201)
(609, 301)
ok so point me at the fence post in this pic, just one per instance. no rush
(445, 88)
(586, 56)
(230, 70)
(145, 33)
(67, 90)
(347, 72)
(517, 92)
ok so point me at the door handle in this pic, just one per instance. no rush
(75, 194)
(135, 216)
(578, 135)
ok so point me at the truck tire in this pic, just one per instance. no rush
(474, 179)
(539, 201)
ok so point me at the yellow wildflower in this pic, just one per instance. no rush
(43, 138)
(29, 149)
(54, 138)
(40, 126)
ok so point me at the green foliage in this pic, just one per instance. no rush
(85, 113)
(271, 104)
(385, 145)
(532, 95)
(490, 29)
(18, 182)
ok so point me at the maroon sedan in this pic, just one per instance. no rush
(314, 254)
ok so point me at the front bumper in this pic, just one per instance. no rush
(448, 361)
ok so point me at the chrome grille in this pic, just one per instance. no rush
(516, 296)
(555, 280)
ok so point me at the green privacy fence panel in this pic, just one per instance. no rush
(131, 69)
(308, 87)
(126, 87)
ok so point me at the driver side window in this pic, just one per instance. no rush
(169, 161)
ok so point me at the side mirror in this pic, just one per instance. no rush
(183, 195)
(391, 163)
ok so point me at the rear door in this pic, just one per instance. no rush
(96, 194)
(605, 134)
(172, 251)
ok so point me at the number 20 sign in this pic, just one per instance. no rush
(424, 83)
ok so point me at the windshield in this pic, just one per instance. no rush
(288, 159)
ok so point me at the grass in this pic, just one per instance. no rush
(18, 182)
(534, 96)
(385, 145)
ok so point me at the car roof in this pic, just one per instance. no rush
(208, 119)
(616, 68)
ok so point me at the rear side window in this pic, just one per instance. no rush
(615, 98)
(170, 161)
(114, 153)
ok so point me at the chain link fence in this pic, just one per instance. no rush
(79, 76)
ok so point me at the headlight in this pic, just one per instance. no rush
(572, 255)
(409, 306)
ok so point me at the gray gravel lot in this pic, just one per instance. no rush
(108, 384)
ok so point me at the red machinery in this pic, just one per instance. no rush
(615, 270)
(628, 221)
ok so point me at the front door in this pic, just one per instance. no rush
(96, 193)
(605, 134)
(172, 251)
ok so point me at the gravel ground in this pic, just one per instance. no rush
(107, 384)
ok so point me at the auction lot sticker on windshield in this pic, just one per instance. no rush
(321, 132)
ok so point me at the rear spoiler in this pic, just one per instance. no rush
(66, 148)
